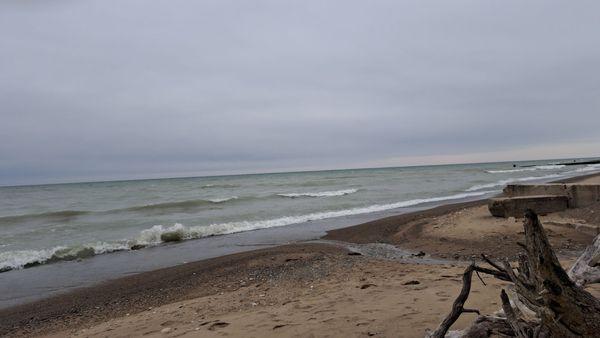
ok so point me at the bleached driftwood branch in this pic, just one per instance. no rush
(586, 269)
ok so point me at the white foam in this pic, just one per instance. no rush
(539, 167)
(221, 200)
(509, 171)
(588, 168)
(550, 166)
(320, 194)
(152, 236)
(511, 180)
(104, 247)
(19, 258)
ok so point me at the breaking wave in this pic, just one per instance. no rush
(539, 167)
(66, 215)
(208, 186)
(320, 194)
(18, 259)
(221, 200)
(589, 167)
(180, 205)
(160, 234)
(511, 180)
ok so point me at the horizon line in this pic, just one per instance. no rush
(282, 172)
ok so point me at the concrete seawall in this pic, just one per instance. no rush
(516, 206)
(579, 195)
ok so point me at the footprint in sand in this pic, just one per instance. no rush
(217, 325)
(169, 323)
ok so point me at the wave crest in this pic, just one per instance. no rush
(510, 180)
(320, 194)
(208, 186)
(539, 167)
(588, 168)
(66, 215)
(180, 205)
(178, 232)
(221, 200)
(157, 233)
(19, 259)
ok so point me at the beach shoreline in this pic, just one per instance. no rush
(288, 265)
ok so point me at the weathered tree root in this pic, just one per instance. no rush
(545, 301)
(586, 269)
(458, 306)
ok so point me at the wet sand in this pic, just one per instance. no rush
(311, 289)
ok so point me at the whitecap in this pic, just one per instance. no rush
(539, 167)
(18, 259)
(221, 200)
(511, 180)
(153, 235)
(550, 166)
(320, 194)
(588, 168)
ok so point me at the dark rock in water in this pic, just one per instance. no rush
(137, 246)
(354, 253)
(366, 286)
(419, 254)
(171, 237)
(412, 282)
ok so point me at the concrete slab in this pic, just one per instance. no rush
(579, 195)
(516, 206)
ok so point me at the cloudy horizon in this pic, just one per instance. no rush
(95, 90)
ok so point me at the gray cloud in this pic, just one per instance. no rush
(131, 88)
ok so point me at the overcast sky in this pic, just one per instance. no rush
(113, 89)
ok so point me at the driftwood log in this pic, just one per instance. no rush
(542, 299)
(586, 269)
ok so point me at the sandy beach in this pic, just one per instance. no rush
(353, 283)
(299, 169)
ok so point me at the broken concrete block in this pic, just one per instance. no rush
(580, 195)
(516, 206)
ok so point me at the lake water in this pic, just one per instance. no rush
(81, 224)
